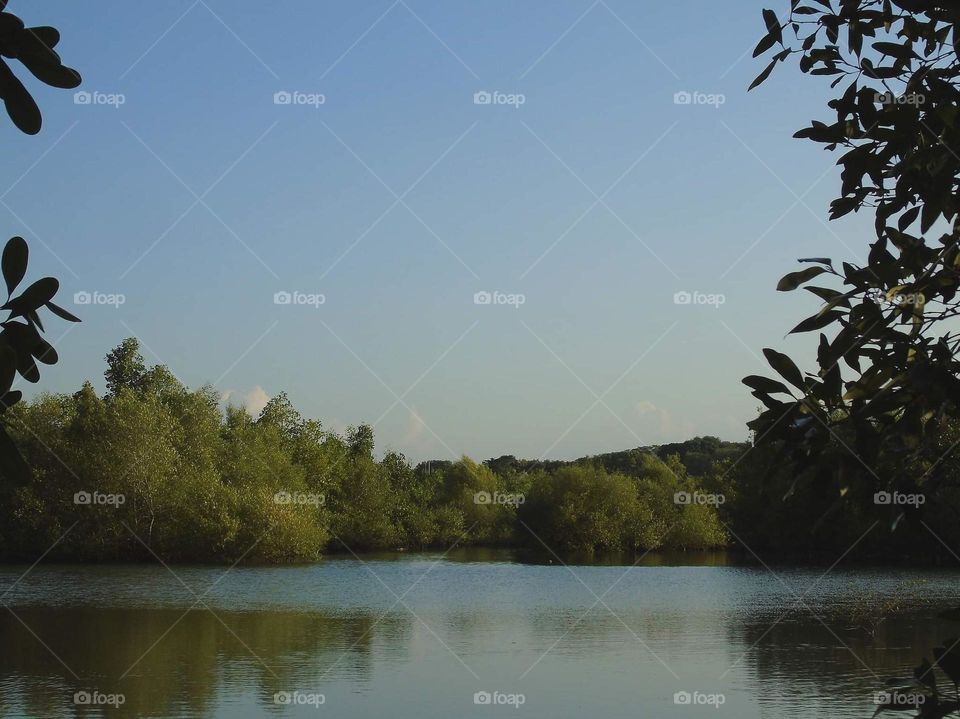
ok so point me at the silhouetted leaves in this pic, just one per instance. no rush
(793, 280)
(14, 263)
(21, 344)
(33, 47)
(888, 381)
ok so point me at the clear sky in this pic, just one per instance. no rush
(583, 189)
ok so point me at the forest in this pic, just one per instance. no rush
(153, 469)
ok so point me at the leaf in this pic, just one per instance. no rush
(908, 218)
(824, 293)
(49, 36)
(816, 322)
(61, 313)
(763, 75)
(765, 384)
(44, 352)
(35, 296)
(785, 367)
(901, 52)
(766, 42)
(928, 216)
(54, 75)
(793, 280)
(14, 262)
(21, 107)
(9, 399)
(28, 368)
(773, 24)
(33, 317)
(8, 367)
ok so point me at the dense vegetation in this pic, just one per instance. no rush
(879, 417)
(153, 467)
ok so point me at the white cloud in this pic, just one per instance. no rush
(415, 428)
(660, 423)
(253, 401)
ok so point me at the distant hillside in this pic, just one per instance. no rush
(696, 454)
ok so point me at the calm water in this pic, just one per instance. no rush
(418, 635)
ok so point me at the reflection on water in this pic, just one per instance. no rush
(417, 635)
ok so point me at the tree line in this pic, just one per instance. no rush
(154, 469)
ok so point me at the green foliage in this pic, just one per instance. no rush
(888, 381)
(881, 410)
(584, 508)
(173, 475)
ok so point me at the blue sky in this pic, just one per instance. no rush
(398, 198)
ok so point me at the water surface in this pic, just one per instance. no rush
(418, 635)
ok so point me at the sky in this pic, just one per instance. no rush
(475, 225)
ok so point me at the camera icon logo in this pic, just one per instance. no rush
(482, 98)
(282, 298)
(82, 298)
(82, 97)
(682, 698)
(482, 698)
(82, 497)
(282, 698)
(681, 498)
(682, 98)
(282, 498)
(882, 498)
(82, 698)
(482, 498)
(682, 298)
(282, 98)
(482, 298)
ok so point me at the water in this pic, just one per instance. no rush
(417, 635)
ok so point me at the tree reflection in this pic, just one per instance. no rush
(167, 662)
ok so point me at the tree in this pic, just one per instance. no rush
(848, 431)
(125, 367)
(888, 380)
(584, 509)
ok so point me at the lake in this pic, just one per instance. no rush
(474, 633)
